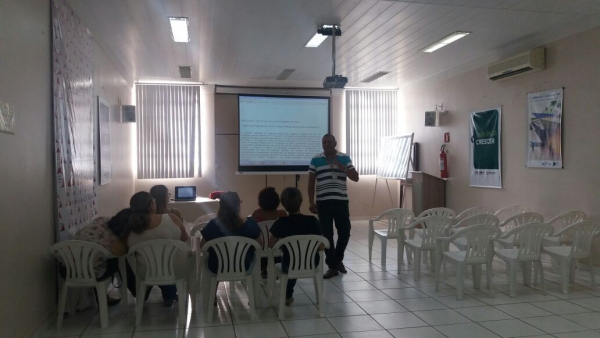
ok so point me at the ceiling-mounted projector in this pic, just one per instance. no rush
(333, 81)
(336, 81)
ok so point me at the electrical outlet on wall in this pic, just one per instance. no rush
(446, 137)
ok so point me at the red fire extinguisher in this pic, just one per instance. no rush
(443, 162)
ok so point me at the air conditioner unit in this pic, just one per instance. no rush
(532, 60)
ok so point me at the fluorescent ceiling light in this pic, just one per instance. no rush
(445, 41)
(316, 40)
(374, 77)
(179, 29)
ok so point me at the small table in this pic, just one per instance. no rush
(191, 210)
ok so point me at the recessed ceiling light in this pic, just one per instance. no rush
(179, 29)
(374, 77)
(316, 40)
(445, 41)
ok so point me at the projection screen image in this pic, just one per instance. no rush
(280, 133)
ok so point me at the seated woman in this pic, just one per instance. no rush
(162, 196)
(268, 202)
(294, 224)
(229, 223)
(145, 225)
(100, 232)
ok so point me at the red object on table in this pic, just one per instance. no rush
(215, 194)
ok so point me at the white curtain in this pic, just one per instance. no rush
(166, 130)
(371, 115)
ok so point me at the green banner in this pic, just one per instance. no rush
(485, 148)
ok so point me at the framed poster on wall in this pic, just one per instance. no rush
(544, 129)
(485, 148)
(104, 141)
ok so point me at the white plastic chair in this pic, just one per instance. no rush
(530, 238)
(478, 250)
(395, 218)
(581, 235)
(302, 250)
(267, 252)
(446, 212)
(205, 218)
(514, 222)
(231, 253)
(433, 227)
(561, 222)
(507, 212)
(472, 212)
(481, 219)
(195, 238)
(155, 263)
(78, 258)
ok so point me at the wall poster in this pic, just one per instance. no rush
(104, 141)
(485, 148)
(544, 129)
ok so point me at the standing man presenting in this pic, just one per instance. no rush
(329, 170)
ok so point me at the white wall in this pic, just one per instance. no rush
(27, 288)
(112, 87)
(572, 63)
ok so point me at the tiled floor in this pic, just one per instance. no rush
(369, 301)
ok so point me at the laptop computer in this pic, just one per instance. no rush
(185, 193)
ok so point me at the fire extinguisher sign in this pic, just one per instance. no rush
(485, 148)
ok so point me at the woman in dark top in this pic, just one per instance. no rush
(229, 223)
(294, 224)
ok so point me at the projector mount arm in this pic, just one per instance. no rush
(333, 31)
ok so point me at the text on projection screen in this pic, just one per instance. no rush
(281, 131)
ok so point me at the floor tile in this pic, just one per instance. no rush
(331, 297)
(398, 320)
(465, 331)
(370, 334)
(110, 335)
(262, 315)
(263, 330)
(198, 319)
(159, 323)
(354, 324)
(421, 304)
(327, 335)
(442, 317)
(483, 313)
(115, 325)
(175, 333)
(534, 296)
(69, 328)
(300, 312)
(382, 306)
(511, 328)
(561, 307)
(522, 310)
(210, 332)
(343, 310)
(368, 295)
(554, 324)
(376, 275)
(498, 299)
(453, 303)
(589, 320)
(389, 284)
(355, 286)
(307, 327)
(404, 293)
(412, 332)
(583, 334)
(590, 303)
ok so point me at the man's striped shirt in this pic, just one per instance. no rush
(331, 182)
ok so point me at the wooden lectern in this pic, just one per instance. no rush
(427, 191)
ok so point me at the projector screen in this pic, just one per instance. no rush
(280, 133)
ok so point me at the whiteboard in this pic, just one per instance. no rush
(393, 160)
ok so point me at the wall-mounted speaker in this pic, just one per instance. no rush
(127, 114)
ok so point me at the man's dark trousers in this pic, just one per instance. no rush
(337, 211)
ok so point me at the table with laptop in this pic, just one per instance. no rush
(192, 206)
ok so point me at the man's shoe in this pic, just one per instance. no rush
(289, 301)
(341, 268)
(330, 273)
(112, 301)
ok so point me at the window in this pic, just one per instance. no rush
(167, 131)
(371, 115)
